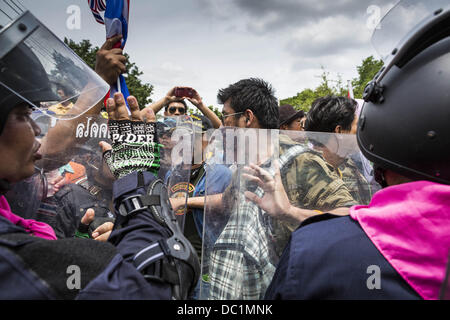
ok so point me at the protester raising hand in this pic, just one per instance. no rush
(174, 99)
(135, 147)
(163, 102)
(110, 61)
(275, 200)
(197, 101)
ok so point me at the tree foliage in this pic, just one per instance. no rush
(142, 91)
(366, 72)
(328, 86)
(216, 111)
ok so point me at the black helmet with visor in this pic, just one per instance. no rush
(35, 64)
(404, 123)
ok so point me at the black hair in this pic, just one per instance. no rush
(67, 92)
(166, 107)
(329, 112)
(256, 95)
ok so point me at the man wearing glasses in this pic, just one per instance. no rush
(243, 258)
(175, 105)
(175, 108)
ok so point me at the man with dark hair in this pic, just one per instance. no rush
(397, 247)
(338, 115)
(249, 103)
(332, 114)
(174, 105)
(65, 105)
(245, 254)
(291, 119)
(175, 108)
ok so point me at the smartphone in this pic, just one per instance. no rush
(184, 92)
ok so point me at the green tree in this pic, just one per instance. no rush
(366, 72)
(327, 86)
(302, 101)
(142, 91)
(194, 110)
(216, 111)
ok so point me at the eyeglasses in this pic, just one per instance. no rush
(181, 110)
(229, 115)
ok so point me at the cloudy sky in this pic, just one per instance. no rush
(209, 44)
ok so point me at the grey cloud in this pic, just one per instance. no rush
(294, 20)
(335, 35)
(272, 15)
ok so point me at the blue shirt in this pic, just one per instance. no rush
(218, 177)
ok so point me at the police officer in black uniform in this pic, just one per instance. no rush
(147, 256)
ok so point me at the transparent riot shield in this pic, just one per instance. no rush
(246, 227)
(72, 177)
(176, 133)
(402, 21)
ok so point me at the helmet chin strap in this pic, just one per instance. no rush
(379, 176)
(5, 186)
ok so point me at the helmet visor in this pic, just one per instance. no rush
(39, 69)
(401, 21)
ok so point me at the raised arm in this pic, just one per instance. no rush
(110, 63)
(161, 103)
(197, 101)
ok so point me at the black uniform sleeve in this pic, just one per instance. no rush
(121, 279)
(105, 270)
(56, 261)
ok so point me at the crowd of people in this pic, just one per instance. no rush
(342, 202)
